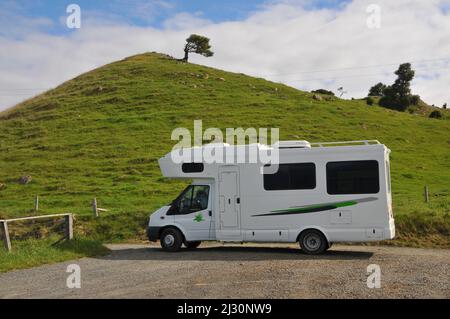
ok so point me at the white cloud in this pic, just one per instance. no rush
(287, 41)
(183, 21)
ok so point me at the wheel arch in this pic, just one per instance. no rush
(172, 226)
(318, 228)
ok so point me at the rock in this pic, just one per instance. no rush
(221, 79)
(25, 180)
(2, 186)
(317, 97)
(206, 76)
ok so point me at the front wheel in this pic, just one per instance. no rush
(171, 239)
(192, 244)
(313, 242)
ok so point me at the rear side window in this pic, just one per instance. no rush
(353, 177)
(192, 167)
(291, 176)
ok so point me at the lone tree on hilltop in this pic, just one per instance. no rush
(398, 95)
(197, 44)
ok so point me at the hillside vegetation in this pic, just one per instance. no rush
(100, 135)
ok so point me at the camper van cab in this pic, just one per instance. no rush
(321, 193)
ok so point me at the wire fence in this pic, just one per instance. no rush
(36, 227)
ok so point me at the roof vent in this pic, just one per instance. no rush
(292, 144)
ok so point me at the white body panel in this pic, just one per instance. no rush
(242, 210)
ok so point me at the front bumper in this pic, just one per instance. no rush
(153, 232)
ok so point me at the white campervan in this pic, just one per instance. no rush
(321, 193)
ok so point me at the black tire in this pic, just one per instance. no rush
(313, 242)
(192, 244)
(171, 239)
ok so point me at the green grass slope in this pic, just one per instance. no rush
(101, 134)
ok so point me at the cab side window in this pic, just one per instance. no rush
(200, 197)
(193, 199)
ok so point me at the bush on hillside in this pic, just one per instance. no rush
(370, 100)
(323, 91)
(436, 114)
(415, 99)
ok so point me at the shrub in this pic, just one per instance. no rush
(394, 102)
(370, 100)
(436, 114)
(323, 91)
(414, 100)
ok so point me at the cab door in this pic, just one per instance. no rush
(192, 210)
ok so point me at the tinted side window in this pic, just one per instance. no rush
(353, 177)
(192, 167)
(291, 176)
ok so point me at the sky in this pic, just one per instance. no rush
(306, 44)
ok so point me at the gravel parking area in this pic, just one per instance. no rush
(215, 270)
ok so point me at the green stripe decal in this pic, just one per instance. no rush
(316, 207)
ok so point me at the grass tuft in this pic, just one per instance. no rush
(30, 253)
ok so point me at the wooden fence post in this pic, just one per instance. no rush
(94, 207)
(6, 239)
(425, 193)
(36, 203)
(69, 226)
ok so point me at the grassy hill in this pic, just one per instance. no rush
(100, 135)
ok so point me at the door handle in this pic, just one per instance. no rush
(238, 200)
(210, 213)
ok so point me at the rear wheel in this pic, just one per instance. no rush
(192, 244)
(171, 239)
(313, 242)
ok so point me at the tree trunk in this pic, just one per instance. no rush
(186, 55)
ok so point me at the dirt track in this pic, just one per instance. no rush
(240, 271)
